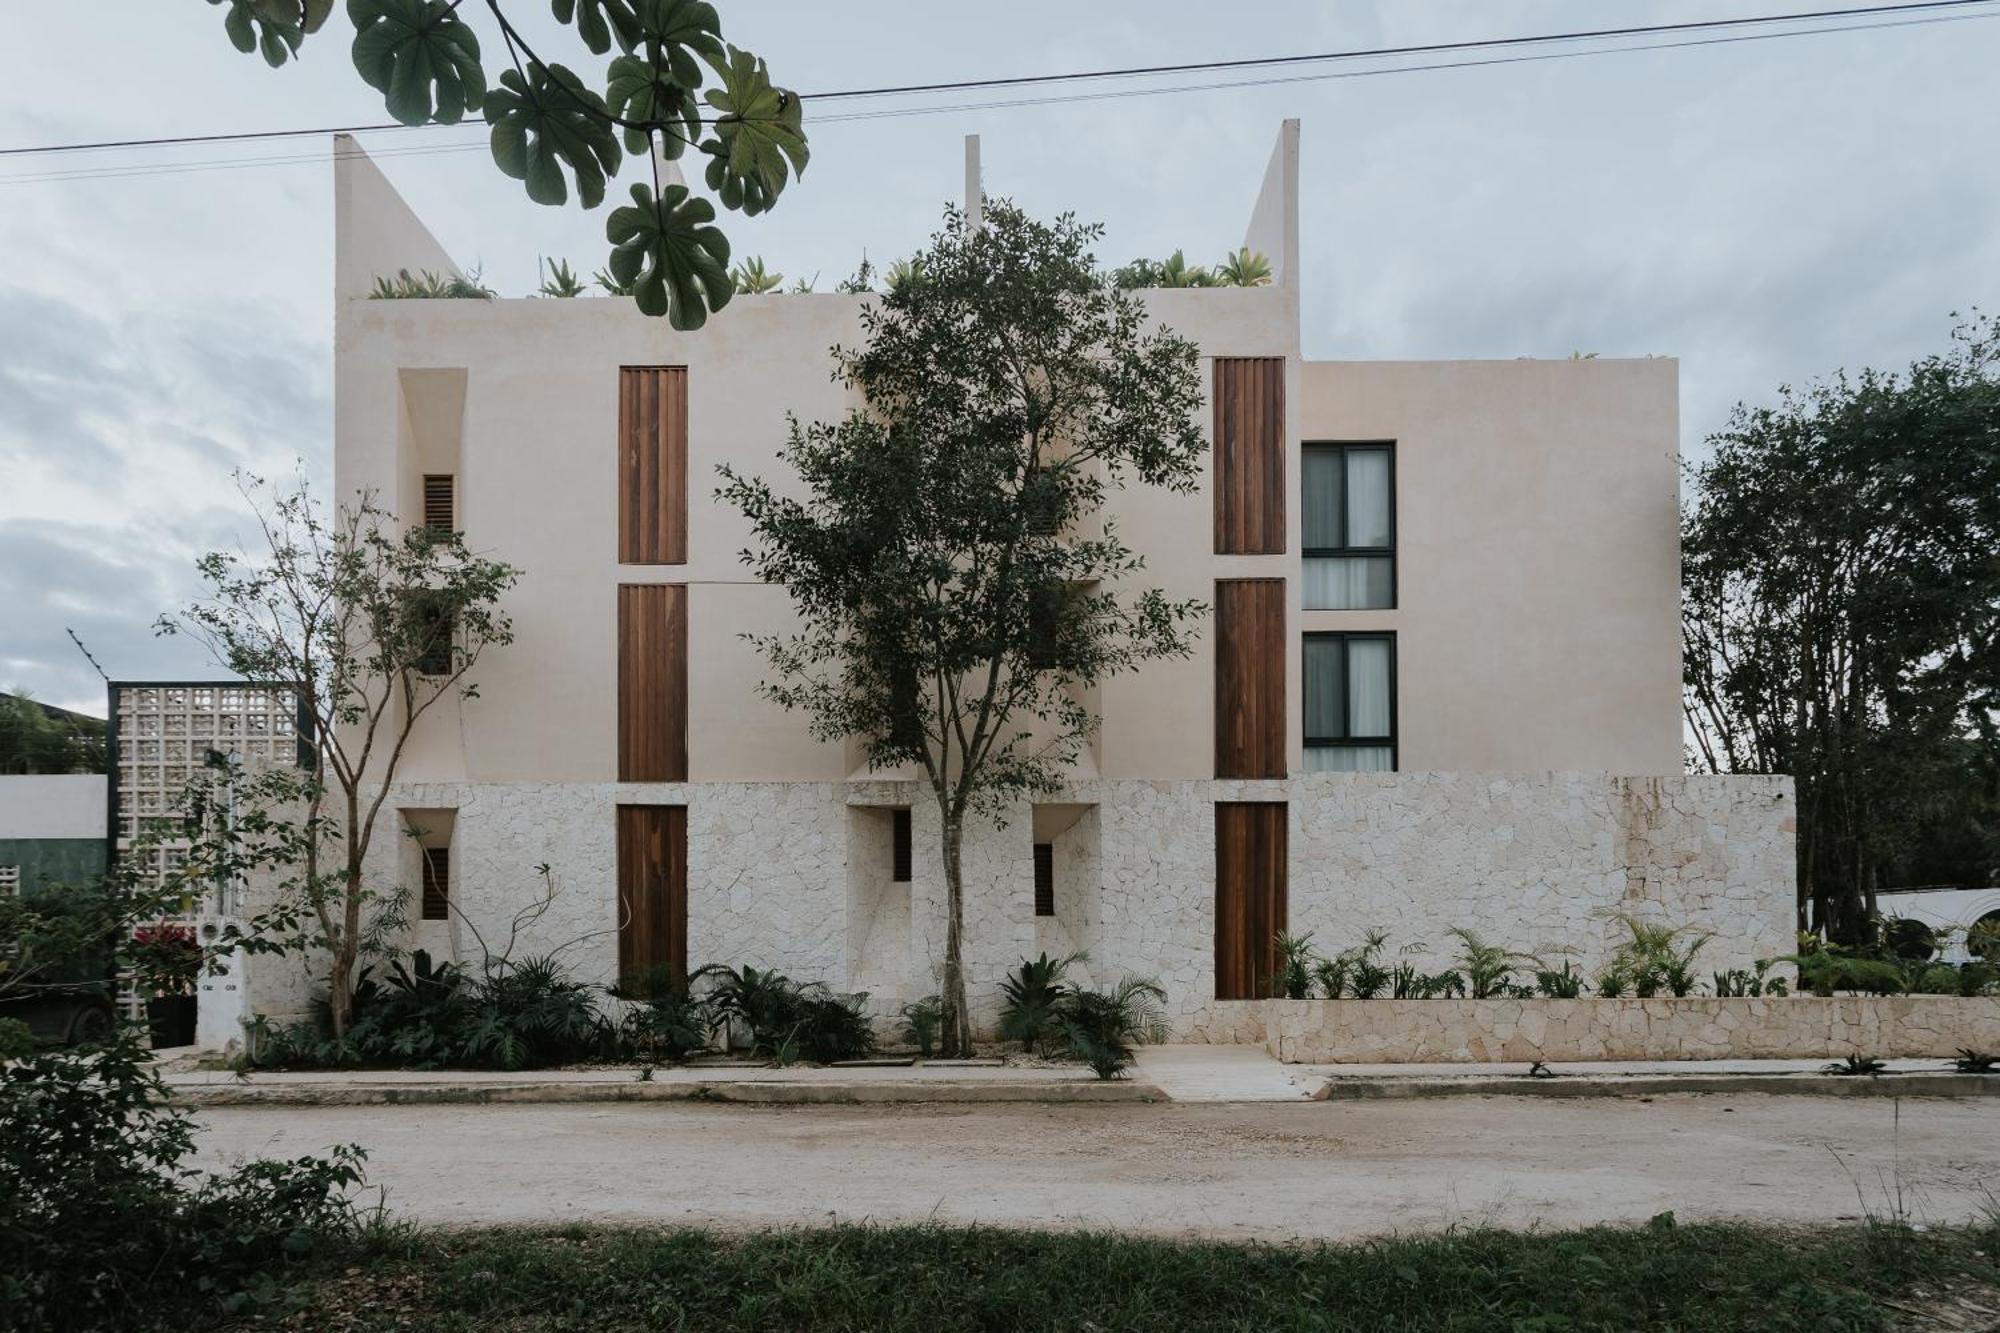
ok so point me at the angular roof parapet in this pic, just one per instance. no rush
(1274, 221)
(374, 232)
(975, 187)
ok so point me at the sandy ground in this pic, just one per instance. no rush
(1271, 1171)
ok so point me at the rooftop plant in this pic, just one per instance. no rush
(424, 285)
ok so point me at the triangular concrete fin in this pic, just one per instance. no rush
(375, 233)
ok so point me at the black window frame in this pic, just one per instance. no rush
(1045, 878)
(1343, 448)
(900, 860)
(1351, 742)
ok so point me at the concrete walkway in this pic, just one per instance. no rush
(1191, 1073)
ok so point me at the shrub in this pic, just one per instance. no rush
(1564, 983)
(1031, 995)
(1827, 969)
(424, 285)
(1488, 967)
(1655, 957)
(922, 1021)
(1366, 977)
(787, 1020)
(102, 1225)
(1293, 978)
(664, 1024)
(1738, 984)
(1099, 1027)
(1331, 974)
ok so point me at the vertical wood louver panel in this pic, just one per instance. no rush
(1249, 449)
(1251, 849)
(652, 465)
(1250, 696)
(652, 682)
(652, 891)
(440, 501)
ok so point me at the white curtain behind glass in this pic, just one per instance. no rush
(1320, 487)
(1368, 687)
(1367, 497)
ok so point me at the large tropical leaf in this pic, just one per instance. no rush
(759, 136)
(680, 30)
(664, 249)
(598, 22)
(305, 15)
(420, 57)
(270, 26)
(547, 120)
(638, 89)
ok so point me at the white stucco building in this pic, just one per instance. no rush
(1446, 655)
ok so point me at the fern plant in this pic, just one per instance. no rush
(1488, 967)
(1100, 1027)
(922, 1021)
(1030, 997)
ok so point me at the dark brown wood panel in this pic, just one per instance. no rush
(1249, 450)
(652, 465)
(652, 890)
(1251, 844)
(652, 682)
(1250, 678)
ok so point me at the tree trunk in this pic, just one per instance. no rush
(957, 1036)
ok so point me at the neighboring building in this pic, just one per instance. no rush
(163, 734)
(1946, 912)
(51, 830)
(1440, 688)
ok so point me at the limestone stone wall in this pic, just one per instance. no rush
(781, 874)
(1695, 1028)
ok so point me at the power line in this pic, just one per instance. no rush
(1385, 52)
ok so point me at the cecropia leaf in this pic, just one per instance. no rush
(548, 120)
(680, 30)
(420, 56)
(270, 27)
(640, 90)
(759, 139)
(666, 251)
(599, 22)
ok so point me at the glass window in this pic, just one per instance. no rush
(1350, 704)
(1347, 495)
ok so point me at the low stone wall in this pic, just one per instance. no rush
(1696, 1028)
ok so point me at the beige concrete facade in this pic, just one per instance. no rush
(1537, 612)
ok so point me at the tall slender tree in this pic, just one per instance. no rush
(374, 622)
(954, 597)
(1841, 614)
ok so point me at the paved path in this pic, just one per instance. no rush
(1223, 1074)
(1311, 1169)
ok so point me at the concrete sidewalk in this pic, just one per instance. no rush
(1190, 1073)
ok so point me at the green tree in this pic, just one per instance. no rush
(551, 130)
(1841, 611)
(375, 622)
(38, 739)
(952, 598)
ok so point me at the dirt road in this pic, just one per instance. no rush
(1327, 1169)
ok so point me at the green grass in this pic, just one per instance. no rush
(938, 1278)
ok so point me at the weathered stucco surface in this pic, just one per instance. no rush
(780, 873)
(1695, 1028)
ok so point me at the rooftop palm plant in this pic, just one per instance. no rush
(753, 279)
(1175, 271)
(1244, 268)
(562, 281)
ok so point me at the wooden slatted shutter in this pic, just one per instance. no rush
(652, 891)
(1250, 697)
(437, 883)
(652, 465)
(441, 501)
(1249, 448)
(1045, 879)
(652, 682)
(1250, 896)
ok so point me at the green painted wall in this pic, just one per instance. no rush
(53, 860)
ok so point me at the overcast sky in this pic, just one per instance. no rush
(1765, 211)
